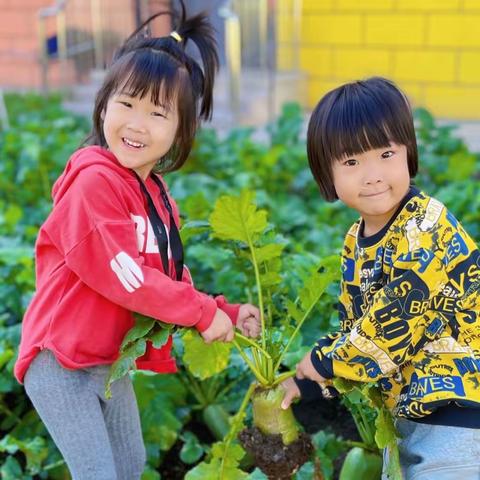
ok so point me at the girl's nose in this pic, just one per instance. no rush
(137, 124)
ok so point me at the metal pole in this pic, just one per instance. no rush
(297, 28)
(97, 34)
(263, 32)
(62, 46)
(42, 43)
(232, 47)
(3, 112)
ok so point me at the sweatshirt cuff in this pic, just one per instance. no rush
(322, 364)
(231, 309)
(209, 308)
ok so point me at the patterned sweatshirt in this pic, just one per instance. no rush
(409, 312)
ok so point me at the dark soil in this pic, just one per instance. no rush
(326, 414)
(172, 468)
(276, 460)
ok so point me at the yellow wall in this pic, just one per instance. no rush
(431, 48)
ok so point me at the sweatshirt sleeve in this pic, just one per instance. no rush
(93, 230)
(231, 309)
(394, 326)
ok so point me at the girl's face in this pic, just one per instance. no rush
(138, 132)
(373, 183)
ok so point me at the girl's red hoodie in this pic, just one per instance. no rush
(97, 261)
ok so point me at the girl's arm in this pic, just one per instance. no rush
(93, 230)
(231, 309)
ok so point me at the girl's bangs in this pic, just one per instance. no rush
(160, 77)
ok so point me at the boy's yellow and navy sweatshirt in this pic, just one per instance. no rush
(409, 313)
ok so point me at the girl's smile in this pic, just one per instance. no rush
(138, 132)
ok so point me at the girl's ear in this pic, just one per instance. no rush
(102, 115)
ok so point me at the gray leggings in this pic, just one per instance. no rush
(99, 439)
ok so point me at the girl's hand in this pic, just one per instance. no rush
(305, 369)
(220, 330)
(248, 320)
(291, 392)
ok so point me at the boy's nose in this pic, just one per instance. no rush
(372, 179)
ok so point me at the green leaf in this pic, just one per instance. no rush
(257, 474)
(159, 337)
(385, 434)
(191, 450)
(343, 385)
(11, 470)
(215, 469)
(204, 360)
(293, 310)
(268, 252)
(195, 227)
(149, 474)
(237, 218)
(142, 326)
(318, 280)
(270, 279)
(124, 363)
(35, 450)
(461, 166)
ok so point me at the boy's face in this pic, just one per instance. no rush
(373, 183)
(138, 132)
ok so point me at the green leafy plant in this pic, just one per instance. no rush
(376, 428)
(236, 219)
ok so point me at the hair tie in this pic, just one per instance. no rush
(176, 36)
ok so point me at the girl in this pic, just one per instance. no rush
(111, 247)
(409, 305)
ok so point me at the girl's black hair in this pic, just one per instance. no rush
(354, 118)
(159, 66)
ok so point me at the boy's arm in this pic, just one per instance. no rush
(399, 321)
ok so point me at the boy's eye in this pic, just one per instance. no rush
(125, 104)
(387, 154)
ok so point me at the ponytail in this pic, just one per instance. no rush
(159, 66)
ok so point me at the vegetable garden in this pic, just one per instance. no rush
(256, 230)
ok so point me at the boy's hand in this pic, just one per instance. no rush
(220, 330)
(248, 320)
(291, 392)
(305, 369)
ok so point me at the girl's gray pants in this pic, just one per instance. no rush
(99, 439)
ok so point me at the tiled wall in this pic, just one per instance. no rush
(431, 48)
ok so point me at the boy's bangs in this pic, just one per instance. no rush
(159, 77)
(354, 129)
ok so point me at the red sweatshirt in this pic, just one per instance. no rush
(97, 261)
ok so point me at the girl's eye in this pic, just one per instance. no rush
(125, 104)
(387, 154)
(350, 162)
(158, 114)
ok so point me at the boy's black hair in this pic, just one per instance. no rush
(354, 118)
(159, 67)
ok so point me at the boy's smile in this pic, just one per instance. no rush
(373, 183)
